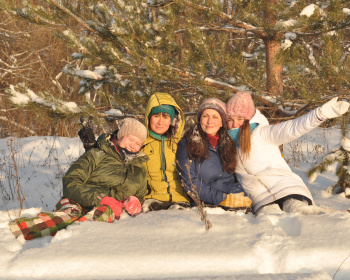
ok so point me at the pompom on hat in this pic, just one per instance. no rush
(215, 104)
(130, 126)
(241, 105)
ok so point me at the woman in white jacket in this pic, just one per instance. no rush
(261, 169)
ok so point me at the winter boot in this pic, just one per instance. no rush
(301, 206)
(270, 209)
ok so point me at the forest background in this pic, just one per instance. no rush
(60, 60)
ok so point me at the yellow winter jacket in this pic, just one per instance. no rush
(164, 185)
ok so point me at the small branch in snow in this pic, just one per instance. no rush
(193, 193)
(340, 266)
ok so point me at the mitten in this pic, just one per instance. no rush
(132, 205)
(332, 109)
(86, 134)
(235, 200)
(227, 185)
(234, 187)
(115, 205)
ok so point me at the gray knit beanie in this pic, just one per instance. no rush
(215, 104)
(130, 126)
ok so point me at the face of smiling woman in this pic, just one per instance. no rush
(234, 122)
(160, 123)
(131, 143)
(210, 121)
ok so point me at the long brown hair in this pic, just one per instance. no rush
(198, 147)
(244, 139)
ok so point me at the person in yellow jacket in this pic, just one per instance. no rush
(165, 122)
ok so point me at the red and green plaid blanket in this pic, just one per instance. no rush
(66, 213)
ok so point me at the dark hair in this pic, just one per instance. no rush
(198, 147)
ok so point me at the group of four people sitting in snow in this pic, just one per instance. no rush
(229, 158)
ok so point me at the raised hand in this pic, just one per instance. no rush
(86, 134)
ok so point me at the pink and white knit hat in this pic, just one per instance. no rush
(241, 105)
(215, 104)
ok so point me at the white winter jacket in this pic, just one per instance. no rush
(265, 175)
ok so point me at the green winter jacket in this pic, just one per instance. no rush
(102, 171)
(163, 184)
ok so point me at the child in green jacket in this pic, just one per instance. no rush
(98, 185)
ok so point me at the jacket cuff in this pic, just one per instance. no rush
(319, 115)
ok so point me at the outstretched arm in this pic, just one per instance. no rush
(287, 131)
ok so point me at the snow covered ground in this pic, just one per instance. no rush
(173, 243)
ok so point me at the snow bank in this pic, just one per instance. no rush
(174, 243)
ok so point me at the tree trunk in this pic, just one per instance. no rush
(273, 69)
(272, 46)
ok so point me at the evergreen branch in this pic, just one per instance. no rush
(336, 155)
(318, 33)
(208, 54)
(71, 14)
(218, 29)
(208, 81)
(240, 24)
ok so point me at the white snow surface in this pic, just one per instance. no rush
(171, 244)
(309, 10)
(345, 143)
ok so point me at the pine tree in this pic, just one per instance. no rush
(289, 54)
(339, 155)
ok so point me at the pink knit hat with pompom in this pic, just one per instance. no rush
(241, 105)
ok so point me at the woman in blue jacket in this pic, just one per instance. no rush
(205, 160)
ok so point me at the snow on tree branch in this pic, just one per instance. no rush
(23, 99)
(310, 10)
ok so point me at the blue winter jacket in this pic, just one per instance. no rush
(210, 181)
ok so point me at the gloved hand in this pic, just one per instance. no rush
(235, 200)
(227, 185)
(86, 134)
(132, 205)
(332, 109)
(115, 205)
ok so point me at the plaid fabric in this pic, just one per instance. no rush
(44, 224)
(102, 213)
(70, 207)
(66, 212)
